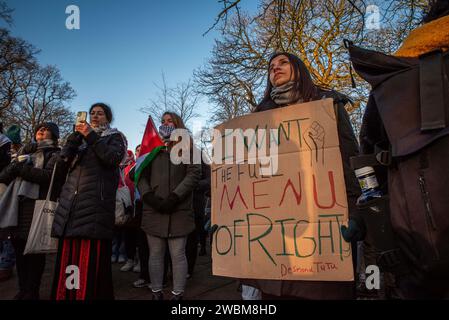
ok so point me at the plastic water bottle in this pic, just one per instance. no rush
(369, 185)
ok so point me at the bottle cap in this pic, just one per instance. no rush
(364, 171)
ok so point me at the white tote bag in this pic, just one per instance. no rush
(122, 201)
(39, 239)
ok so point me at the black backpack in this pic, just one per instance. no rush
(405, 132)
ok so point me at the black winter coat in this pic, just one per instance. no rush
(87, 203)
(35, 175)
(162, 177)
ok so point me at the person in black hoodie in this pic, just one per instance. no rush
(41, 157)
(85, 216)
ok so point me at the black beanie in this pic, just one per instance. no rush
(53, 127)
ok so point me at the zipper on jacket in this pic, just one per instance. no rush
(73, 202)
(169, 190)
(431, 225)
(102, 189)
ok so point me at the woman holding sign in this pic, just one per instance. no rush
(168, 216)
(289, 82)
(29, 178)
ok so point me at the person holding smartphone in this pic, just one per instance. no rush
(84, 219)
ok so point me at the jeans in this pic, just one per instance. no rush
(177, 248)
(118, 243)
(7, 255)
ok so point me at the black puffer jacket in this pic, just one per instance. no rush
(40, 176)
(87, 203)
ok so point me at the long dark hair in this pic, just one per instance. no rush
(304, 87)
(107, 110)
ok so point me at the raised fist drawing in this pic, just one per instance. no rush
(314, 139)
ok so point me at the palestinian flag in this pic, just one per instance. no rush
(149, 148)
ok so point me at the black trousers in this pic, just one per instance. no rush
(30, 268)
(130, 236)
(199, 235)
(192, 251)
(144, 254)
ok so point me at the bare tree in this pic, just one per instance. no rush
(16, 61)
(314, 30)
(30, 94)
(181, 99)
(44, 96)
(6, 13)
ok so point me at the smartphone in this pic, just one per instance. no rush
(81, 116)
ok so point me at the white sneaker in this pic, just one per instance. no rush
(140, 283)
(136, 268)
(121, 259)
(128, 266)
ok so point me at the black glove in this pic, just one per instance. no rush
(355, 231)
(169, 204)
(75, 139)
(14, 168)
(152, 200)
(213, 229)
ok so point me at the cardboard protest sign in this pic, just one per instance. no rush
(285, 223)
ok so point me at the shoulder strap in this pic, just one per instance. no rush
(51, 183)
(432, 89)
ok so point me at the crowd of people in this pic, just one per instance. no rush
(166, 212)
(88, 170)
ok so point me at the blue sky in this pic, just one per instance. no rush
(121, 49)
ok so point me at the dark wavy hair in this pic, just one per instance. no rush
(107, 110)
(437, 9)
(304, 87)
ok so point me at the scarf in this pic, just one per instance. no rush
(166, 131)
(428, 37)
(37, 157)
(284, 95)
(104, 131)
